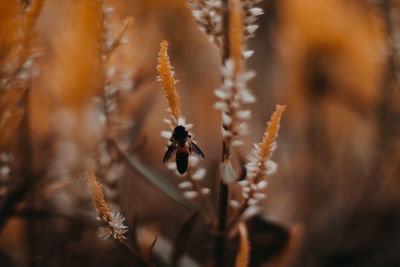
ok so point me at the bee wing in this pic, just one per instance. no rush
(170, 151)
(193, 148)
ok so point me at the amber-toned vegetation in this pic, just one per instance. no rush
(290, 148)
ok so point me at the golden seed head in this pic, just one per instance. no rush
(167, 80)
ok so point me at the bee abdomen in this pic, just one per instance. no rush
(182, 161)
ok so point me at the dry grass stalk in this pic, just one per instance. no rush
(113, 226)
(167, 80)
(112, 222)
(243, 256)
(190, 186)
(258, 166)
(269, 142)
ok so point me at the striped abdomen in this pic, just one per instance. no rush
(182, 157)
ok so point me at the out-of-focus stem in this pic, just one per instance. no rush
(223, 188)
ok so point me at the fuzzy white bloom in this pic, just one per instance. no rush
(234, 203)
(232, 95)
(205, 191)
(4, 171)
(166, 134)
(185, 185)
(115, 227)
(199, 174)
(250, 16)
(252, 201)
(237, 143)
(247, 54)
(261, 185)
(208, 15)
(259, 196)
(171, 166)
(190, 194)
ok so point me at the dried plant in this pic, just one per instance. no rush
(114, 85)
(78, 101)
(191, 187)
(259, 165)
(113, 222)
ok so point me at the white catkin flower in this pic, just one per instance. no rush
(193, 160)
(4, 171)
(237, 143)
(252, 201)
(232, 95)
(166, 134)
(226, 119)
(208, 16)
(246, 189)
(259, 196)
(271, 167)
(228, 174)
(190, 194)
(243, 182)
(199, 174)
(250, 17)
(171, 165)
(220, 106)
(185, 185)
(261, 185)
(234, 203)
(244, 114)
(114, 228)
(205, 191)
(247, 54)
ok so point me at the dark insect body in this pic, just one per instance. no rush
(181, 145)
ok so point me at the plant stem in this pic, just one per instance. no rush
(223, 188)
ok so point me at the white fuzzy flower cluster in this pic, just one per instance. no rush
(257, 167)
(114, 226)
(191, 179)
(107, 41)
(233, 94)
(115, 85)
(250, 17)
(5, 170)
(208, 16)
(17, 73)
(251, 193)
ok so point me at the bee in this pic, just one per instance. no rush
(182, 145)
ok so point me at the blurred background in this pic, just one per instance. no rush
(334, 200)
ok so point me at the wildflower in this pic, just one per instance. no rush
(259, 165)
(112, 222)
(208, 15)
(189, 172)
